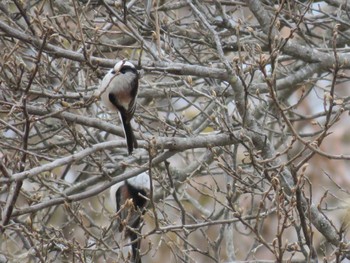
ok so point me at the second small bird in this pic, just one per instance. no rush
(118, 91)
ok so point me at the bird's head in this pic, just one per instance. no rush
(122, 66)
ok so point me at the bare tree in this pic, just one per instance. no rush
(242, 125)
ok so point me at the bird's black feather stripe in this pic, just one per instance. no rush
(129, 133)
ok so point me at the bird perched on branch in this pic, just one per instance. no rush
(118, 91)
(130, 199)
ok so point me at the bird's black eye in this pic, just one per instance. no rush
(113, 72)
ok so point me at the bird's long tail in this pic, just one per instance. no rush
(129, 134)
(135, 246)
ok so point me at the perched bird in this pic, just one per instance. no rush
(130, 204)
(118, 91)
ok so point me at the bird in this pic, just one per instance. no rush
(131, 199)
(118, 91)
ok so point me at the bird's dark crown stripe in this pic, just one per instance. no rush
(127, 68)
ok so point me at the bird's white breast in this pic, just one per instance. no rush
(119, 85)
(104, 89)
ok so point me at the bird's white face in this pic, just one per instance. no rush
(140, 181)
(121, 63)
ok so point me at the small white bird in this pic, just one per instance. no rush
(118, 91)
(130, 204)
